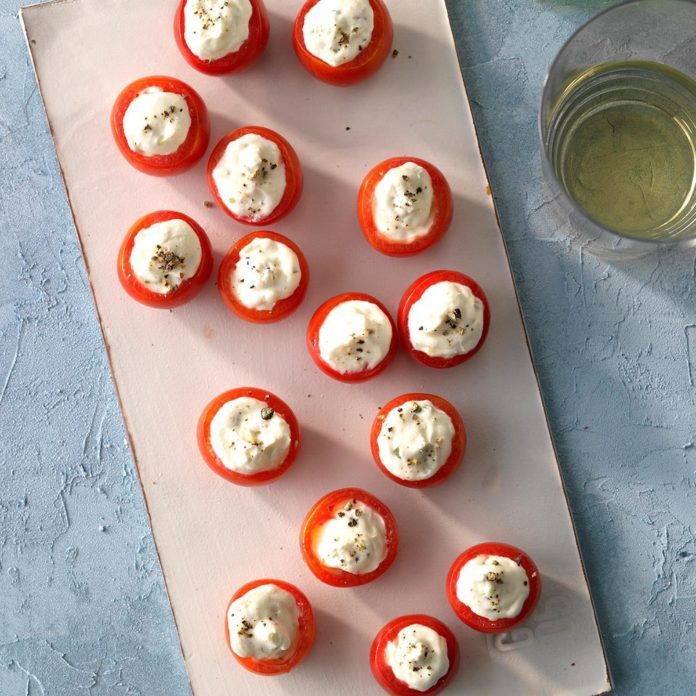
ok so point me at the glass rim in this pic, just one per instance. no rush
(549, 170)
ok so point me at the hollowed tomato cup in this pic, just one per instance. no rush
(213, 461)
(188, 289)
(481, 623)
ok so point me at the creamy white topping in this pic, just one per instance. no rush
(415, 440)
(354, 539)
(215, 28)
(250, 177)
(355, 336)
(403, 202)
(263, 623)
(418, 657)
(248, 436)
(267, 271)
(494, 587)
(446, 321)
(336, 31)
(156, 122)
(165, 254)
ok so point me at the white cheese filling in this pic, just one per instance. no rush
(165, 254)
(263, 623)
(446, 321)
(402, 205)
(267, 272)
(418, 657)
(156, 122)
(355, 336)
(249, 437)
(337, 31)
(250, 177)
(354, 539)
(494, 587)
(216, 28)
(415, 440)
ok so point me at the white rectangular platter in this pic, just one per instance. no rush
(213, 536)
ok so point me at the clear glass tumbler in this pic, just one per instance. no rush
(618, 129)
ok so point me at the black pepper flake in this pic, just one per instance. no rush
(353, 522)
(395, 53)
(267, 413)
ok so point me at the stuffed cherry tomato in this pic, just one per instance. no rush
(263, 278)
(349, 538)
(269, 626)
(160, 125)
(255, 175)
(493, 587)
(248, 436)
(418, 440)
(221, 36)
(404, 206)
(414, 655)
(444, 319)
(351, 337)
(342, 41)
(165, 259)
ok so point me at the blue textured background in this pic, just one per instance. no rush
(83, 608)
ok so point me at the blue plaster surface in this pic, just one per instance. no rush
(83, 609)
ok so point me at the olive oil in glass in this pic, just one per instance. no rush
(622, 141)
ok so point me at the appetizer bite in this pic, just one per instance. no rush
(444, 319)
(263, 278)
(351, 337)
(414, 655)
(269, 626)
(493, 587)
(165, 259)
(248, 436)
(404, 206)
(255, 175)
(160, 125)
(418, 440)
(221, 36)
(342, 41)
(349, 538)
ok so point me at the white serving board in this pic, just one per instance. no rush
(213, 536)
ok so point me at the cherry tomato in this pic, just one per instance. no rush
(360, 68)
(458, 441)
(283, 307)
(481, 623)
(213, 461)
(242, 58)
(189, 152)
(324, 510)
(305, 634)
(441, 210)
(294, 180)
(415, 292)
(188, 289)
(383, 672)
(318, 319)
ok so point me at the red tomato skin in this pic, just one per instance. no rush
(368, 62)
(188, 289)
(212, 460)
(481, 623)
(458, 441)
(414, 293)
(313, 339)
(381, 670)
(248, 52)
(442, 209)
(321, 512)
(306, 633)
(190, 151)
(283, 307)
(294, 178)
